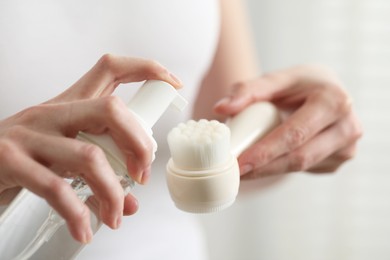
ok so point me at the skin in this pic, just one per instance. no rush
(38, 149)
(319, 129)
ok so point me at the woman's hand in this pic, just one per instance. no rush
(319, 130)
(38, 149)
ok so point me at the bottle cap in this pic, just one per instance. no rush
(153, 98)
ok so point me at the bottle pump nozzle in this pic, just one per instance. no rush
(153, 98)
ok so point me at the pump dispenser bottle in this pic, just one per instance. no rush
(27, 210)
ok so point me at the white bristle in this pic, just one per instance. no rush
(199, 145)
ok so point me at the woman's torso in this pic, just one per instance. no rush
(47, 45)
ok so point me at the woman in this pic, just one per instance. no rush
(207, 44)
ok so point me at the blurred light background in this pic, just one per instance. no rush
(328, 217)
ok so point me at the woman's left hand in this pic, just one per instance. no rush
(319, 129)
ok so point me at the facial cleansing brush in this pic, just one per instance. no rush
(203, 174)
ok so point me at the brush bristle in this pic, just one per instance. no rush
(199, 145)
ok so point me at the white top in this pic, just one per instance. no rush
(46, 45)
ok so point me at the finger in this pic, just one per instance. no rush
(295, 163)
(39, 180)
(243, 94)
(329, 143)
(8, 195)
(349, 131)
(131, 205)
(290, 86)
(88, 161)
(311, 118)
(264, 88)
(109, 115)
(337, 145)
(110, 71)
(334, 162)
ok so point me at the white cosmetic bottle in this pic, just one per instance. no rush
(29, 229)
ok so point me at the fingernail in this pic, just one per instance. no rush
(145, 176)
(246, 169)
(176, 79)
(87, 236)
(137, 175)
(118, 222)
(138, 178)
(224, 101)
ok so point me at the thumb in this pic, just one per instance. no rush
(243, 94)
(110, 71)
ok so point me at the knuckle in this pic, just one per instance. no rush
(108, 64)
(299, 162)
(155, 69)
(341, 101)
(295, 137)
(30, 115)
(107, 61)
(112, 106)
(115, 199)
(80, 215)
(10, 143)
(240, 85)
(8, 151)
(144, 151)
(357, 131)
(344, 104)
(336, 97)
(261, 157)
(351, 128)
(56, 190)
(16, 133)
(90, 154)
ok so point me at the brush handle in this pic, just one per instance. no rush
(250, 125)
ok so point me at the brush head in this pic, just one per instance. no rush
(202, 174)
(199, 145)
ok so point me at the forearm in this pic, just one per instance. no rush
(234, 60)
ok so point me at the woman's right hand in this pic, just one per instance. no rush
(38, 146)
(318, 132)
